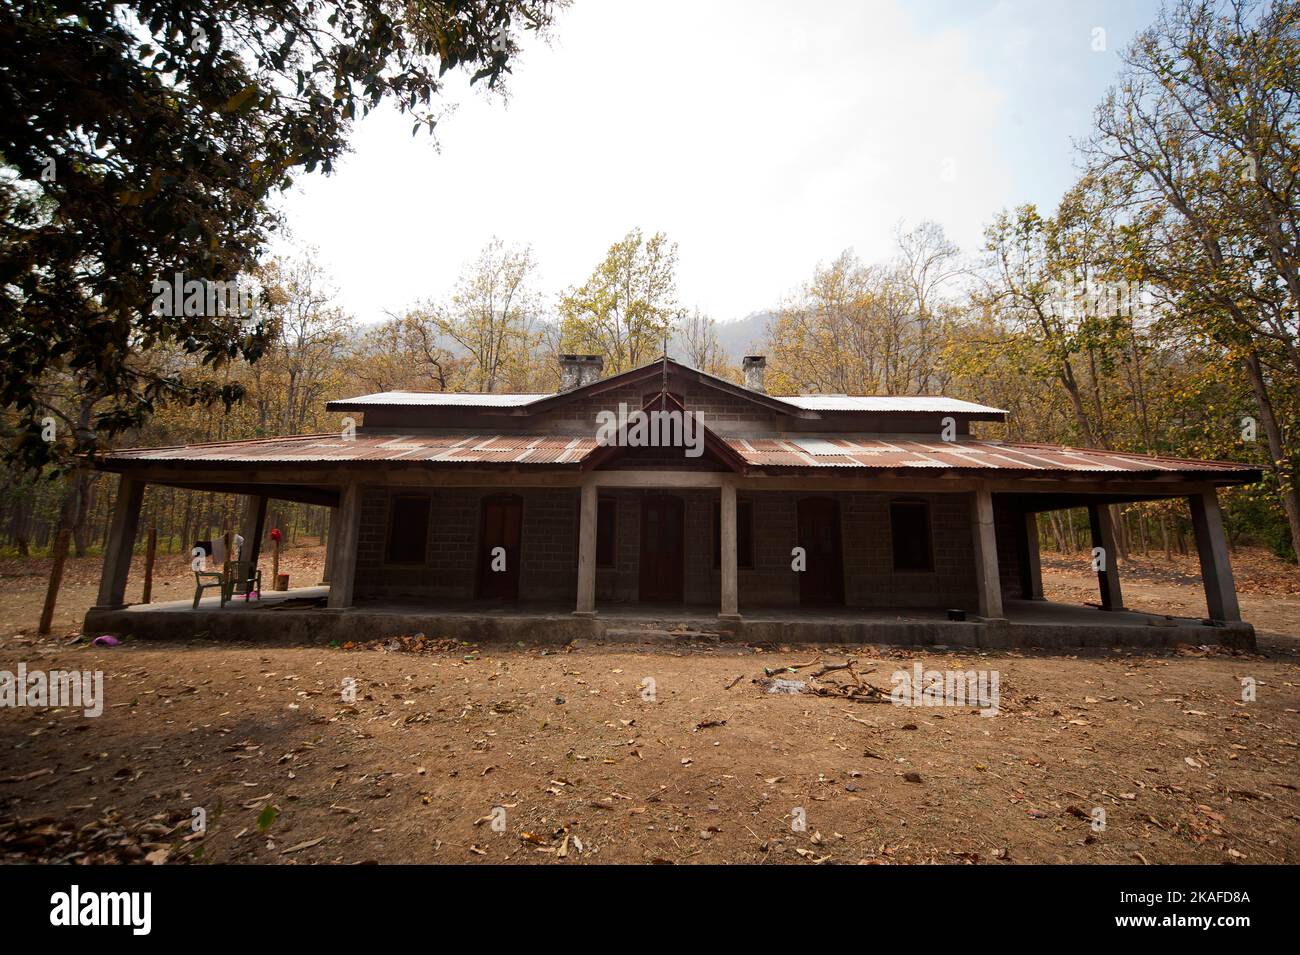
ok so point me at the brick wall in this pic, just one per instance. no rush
(548, 545)
(549, 550)
(1008, 526)
(870, 580)
(869, 576)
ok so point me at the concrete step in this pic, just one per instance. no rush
(636, 633)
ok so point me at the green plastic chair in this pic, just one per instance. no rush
(206, 580)
(249, 575)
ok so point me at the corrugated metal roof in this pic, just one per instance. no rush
(460, 448)
(864, 403)
(854, 451)
(916, 451)
(936, 404)
(435, 399)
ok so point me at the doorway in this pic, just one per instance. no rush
(662, 555)
(501, 526)
(822, 582)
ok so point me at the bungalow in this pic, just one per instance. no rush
(667, 493)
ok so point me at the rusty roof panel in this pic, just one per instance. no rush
(459, 448)
(853, 451)
(433, 399)
(900, 451)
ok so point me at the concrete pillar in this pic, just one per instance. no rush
(347, 533)
(1031, 565)
(1212, 546)
(987, 580)
(251, 528)
(121, 541)
(727, 530)
(587, 514)
(330, 549)
(1103, 536)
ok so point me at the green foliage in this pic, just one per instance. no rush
(627, 308)
(144, 139)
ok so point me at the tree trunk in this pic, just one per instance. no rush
(1280, 459)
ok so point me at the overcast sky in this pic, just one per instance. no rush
(763, 137)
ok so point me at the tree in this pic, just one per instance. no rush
(626, 309)
(928, 264)
(1200, 134)
(492, 315)
(853, 329)
(697, 334)
(308, 337)
(144, 140)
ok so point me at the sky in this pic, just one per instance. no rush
(762, 137)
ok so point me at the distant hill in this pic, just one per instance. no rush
(744, 336)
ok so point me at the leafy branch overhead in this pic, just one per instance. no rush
(143, 140)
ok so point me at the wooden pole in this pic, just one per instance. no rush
(151, 549)
(56, 578)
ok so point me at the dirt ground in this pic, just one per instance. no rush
(598, 754)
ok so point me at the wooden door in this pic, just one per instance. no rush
(501, 526)
(819, 535)
(662, 554)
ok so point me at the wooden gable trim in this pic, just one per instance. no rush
(714, 446)
(654, 370)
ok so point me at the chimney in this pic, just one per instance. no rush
(579, 370)
(753, 366)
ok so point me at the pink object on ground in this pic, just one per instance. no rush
(107, 640)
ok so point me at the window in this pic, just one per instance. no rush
(744, 534)
(408, 529)
(909, 526)
(606, 531)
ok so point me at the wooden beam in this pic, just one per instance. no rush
(56, 579)
(313, 484)
(326, 497)
(1216, 568)
(121, 541)
(988, 581)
